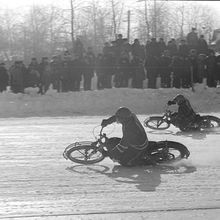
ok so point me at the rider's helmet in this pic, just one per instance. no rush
(123, 114)
(179, 99)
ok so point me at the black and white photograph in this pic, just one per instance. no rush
(109, 110)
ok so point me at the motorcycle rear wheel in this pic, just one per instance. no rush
(209, 122)
(156, 123)
(168, 151)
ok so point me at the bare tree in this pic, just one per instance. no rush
(174, 20)
(10, 20)
(45, 30)
(42, 26)
(146, 18)
(56, 27)
(153, 18)
(117, 8)
(97, 24)
(201, 17)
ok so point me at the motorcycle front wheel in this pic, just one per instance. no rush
(83, 153)
(156, 123)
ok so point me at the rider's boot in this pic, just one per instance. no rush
(149, 161)
(105, 153)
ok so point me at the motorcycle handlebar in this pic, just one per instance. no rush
(166, 107)
(100, 134)
(102, 127)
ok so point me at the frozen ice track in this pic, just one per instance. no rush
(98, 215)
(37, 183)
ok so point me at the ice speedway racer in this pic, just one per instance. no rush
(186, 119)
(202, 123)
(90, 152)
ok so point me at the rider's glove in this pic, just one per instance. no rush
(104, 123)
(170, 103)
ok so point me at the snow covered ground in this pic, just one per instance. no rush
(37, 183)
(103, 102)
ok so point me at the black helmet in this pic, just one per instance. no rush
(123, 114)
(179, 99)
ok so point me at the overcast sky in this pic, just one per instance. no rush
(65, 3)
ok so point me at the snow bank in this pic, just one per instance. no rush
(103, 102)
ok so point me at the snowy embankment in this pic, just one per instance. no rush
(103, 102)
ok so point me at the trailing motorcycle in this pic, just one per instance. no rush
(202, 123)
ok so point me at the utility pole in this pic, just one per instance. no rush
(148, 28)
(155, 19)
(182, 19)
(72, 22)
(129, 25)
(146, 19)
(114, 19)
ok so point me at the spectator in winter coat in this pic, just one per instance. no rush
(56, 72)
(99, 68)
(201, 67)
(120, 40)
(192, 39)
(90, 56)
(25, 73)
(137, 50)
(186, 73)
(108, 66)
(151, 66)
(172, 47)
(76, 73)
(217, 70)
(66, 79)
(78, 48)
(193, 57)
(165, 69)
(120, 46)
(202, 45)
(126, 48)
(137, 73)
(33, 73)
(107, 48)
(88, 73)
(4, 78)
(183, 50)
(177, 69)
(212, 68)
(45, 75)
(123, 72)
(162, 46)
(17, 77)
(153, 48)
(147, 48)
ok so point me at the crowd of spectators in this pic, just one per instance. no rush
(120, 64)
